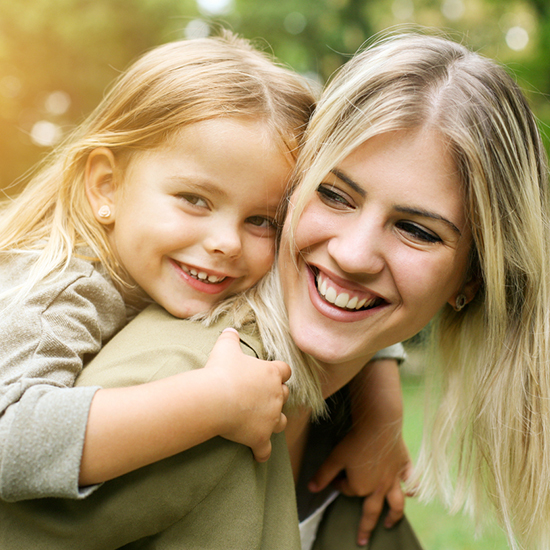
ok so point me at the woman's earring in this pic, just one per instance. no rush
(104, 211)
(460, 302)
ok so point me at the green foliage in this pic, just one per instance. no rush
(434, 526)
(78, 47)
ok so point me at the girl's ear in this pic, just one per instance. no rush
(100, 184)
(465, 294)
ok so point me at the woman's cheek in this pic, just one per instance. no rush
(315, 225)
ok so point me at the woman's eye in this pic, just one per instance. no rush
(331, 195)
(194, 200)
(418, 233)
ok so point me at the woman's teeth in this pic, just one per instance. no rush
(343, 299)
(202, 276)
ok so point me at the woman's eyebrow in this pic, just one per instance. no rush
(427, 214)
(403, 209)
(346, 179)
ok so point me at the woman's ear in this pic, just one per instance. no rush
(465, 294)
(100, 184)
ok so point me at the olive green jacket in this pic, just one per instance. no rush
(214, 496)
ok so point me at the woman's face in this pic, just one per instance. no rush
(380, 248)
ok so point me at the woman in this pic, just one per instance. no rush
(475, 238)
(422, 178)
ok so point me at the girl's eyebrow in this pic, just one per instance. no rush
(403, 209)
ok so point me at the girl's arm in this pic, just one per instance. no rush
(235, 396)
(373, 454)
(43, 419)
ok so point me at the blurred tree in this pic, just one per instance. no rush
(71, 49)
(56, 58)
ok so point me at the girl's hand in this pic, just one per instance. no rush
(253, 394)
(373, 455)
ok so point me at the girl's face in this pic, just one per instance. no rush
(380, 248)
(194, 220)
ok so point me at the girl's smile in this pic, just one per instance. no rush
(194, 220)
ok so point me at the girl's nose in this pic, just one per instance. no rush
(224, 240)
(358, 247)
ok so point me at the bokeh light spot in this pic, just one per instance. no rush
(197, 28)
(295, 22)
(45, 133)
(453, 9)
(215, 7)
(517, 38)
(58, 103)
(403, 9)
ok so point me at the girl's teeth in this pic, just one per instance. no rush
(202, 276)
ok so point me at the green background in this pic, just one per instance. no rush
(58, 56)
(436, 529)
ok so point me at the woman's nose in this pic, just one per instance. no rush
(224, 240)
(358, 247)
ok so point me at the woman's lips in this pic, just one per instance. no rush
(339, 303)
(343, 298)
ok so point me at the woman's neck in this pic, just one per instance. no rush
(296, 433)
(336, 376)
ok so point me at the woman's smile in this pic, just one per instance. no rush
(342, 299)
(379, 249)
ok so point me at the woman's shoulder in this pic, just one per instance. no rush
(156, 345)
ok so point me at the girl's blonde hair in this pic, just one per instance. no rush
(491, 421)
(174, 85)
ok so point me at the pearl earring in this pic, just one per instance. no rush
(460, 302)
(104, 211)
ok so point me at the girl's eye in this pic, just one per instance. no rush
(260, 221)
(263, 223)
(194, 200)
(332, 196)
(418, 233)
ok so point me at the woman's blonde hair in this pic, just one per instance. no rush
(174, 85)
(492, 414)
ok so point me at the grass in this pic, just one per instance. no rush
(435, 528)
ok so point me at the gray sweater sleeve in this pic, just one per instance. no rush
(397, 352)
(46, 339)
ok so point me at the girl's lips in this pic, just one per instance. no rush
(203, 282)
(337, 302)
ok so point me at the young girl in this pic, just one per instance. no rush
(168, 192)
